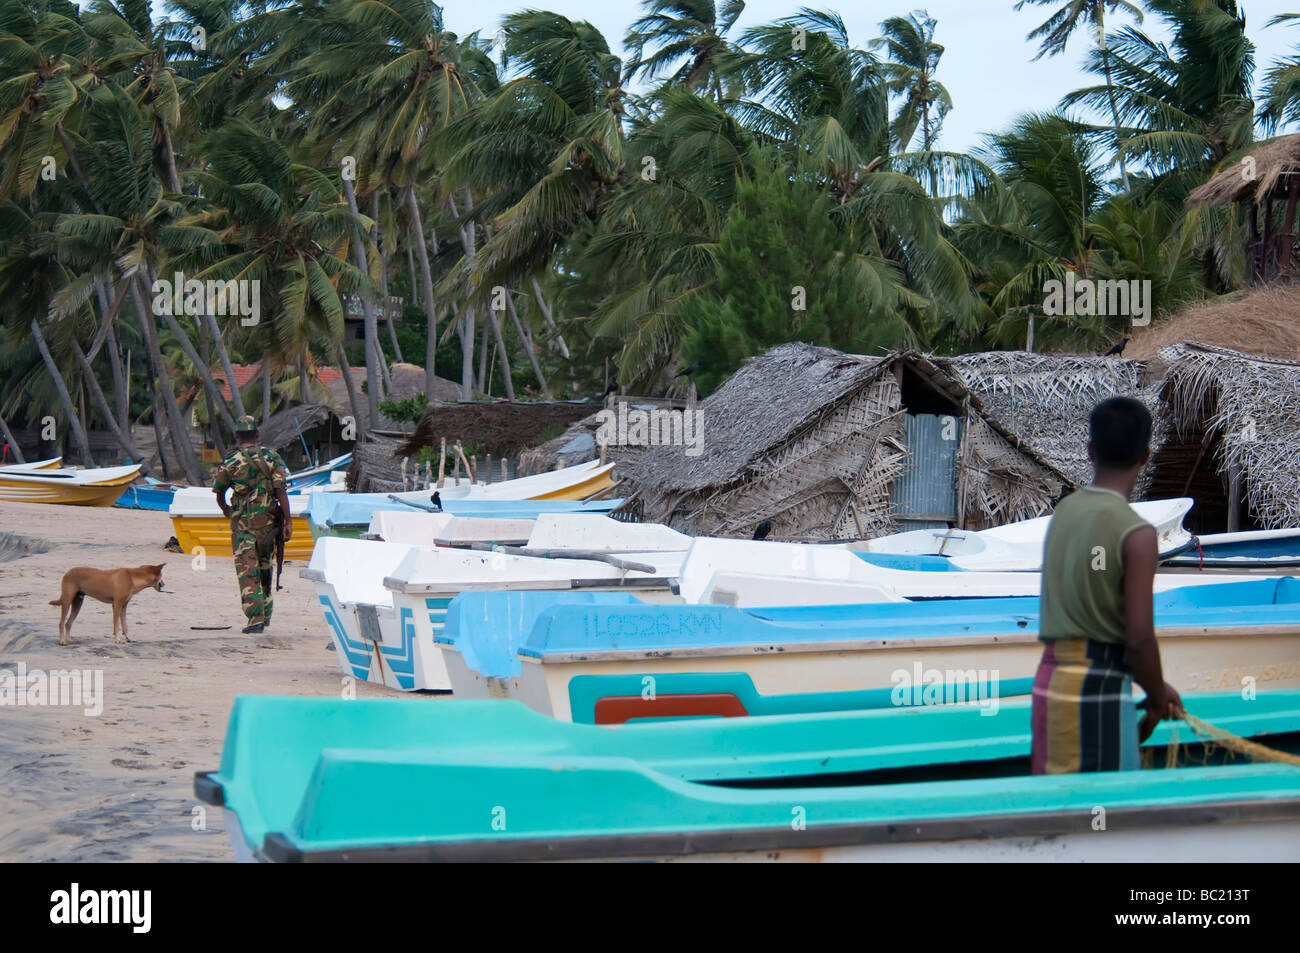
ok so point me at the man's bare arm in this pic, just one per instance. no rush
(1141, 650)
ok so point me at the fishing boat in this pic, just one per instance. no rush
(1254, 549)
(1018, 547)
(384, 602)
(590, 660)
(577, 482)
(549, 532)
(158, 495)
(50, 463)
(350, 514)
(200, 526)
(74, 487)
(374, 641)
(739, 572)
(321, 779)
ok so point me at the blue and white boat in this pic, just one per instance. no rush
(604, 658)
(1254, 549)
(323, 779)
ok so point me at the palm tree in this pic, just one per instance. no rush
(384, 83)
(909, 72)
(1282, 86)
(688, 38)
(280, 223)
(1055, 33)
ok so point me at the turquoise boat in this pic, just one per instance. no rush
(587, 657)
(316, 779)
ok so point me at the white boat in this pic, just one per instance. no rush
(570, 483)
(715, 568)
(597, 533)
(1018, 547)
(50, 463)
(384, 601)
(1252, 549)
(374, 641)
(99, 486)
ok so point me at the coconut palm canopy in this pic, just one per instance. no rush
(549, 215)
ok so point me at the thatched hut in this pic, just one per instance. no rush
(305, 434)
(828, 445)
(1229, 432)
(1260, 180)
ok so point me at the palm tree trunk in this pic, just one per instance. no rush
(189, 461)
(9, 439)
(304, 394)
(206, 353)
(110, 313)
(467, 354)
(350, 385)
(1110, 93)
(169, 154)
(528, 345)
(548, 317)
(426, 292)
(201, 368)
(483, 359)
(223, 355)
(382, 245)
(266, 390)
(65, 398)
(373, 383)
(410, 272)
(122, 436)
(121, 381)
(158, 440)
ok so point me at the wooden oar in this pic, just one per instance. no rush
(626, 565)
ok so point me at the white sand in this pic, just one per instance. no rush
(119, 786)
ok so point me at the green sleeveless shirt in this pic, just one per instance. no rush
(1083, 567)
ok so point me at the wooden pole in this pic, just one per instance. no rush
(442, 463)
(1234, 500)
(489, 468)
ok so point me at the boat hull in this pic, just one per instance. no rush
(491, 781)
(211, 535)
(610, 692)
(34, 487)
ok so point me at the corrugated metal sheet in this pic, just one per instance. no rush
(926, 493)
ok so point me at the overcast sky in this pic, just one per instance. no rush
(987, 65)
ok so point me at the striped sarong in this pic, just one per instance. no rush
(1084, 717)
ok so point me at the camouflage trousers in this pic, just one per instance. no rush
(254, 551)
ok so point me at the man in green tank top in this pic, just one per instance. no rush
(1096, 615)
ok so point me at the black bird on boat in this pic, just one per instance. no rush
(763, 528)
(436, 500)
(1118, 349)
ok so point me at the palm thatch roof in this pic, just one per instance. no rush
(1243, 406)
(282, 428)
(502, 428)
(813, 439)
(1264, 321)
(1044, 400)
(1253, 178)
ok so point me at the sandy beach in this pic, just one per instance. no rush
(117, 786)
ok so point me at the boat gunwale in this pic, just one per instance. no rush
(543, 657)
(277, 847)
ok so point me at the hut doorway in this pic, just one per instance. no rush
(925, 494)
(1188, 465)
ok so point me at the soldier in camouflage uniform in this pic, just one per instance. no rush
(256, 478)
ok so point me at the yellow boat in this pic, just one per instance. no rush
(199, 525)
(94, 487)
(53, 463)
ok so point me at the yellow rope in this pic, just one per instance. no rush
(1251, 749)
(1209, 737)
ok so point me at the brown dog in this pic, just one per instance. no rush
(112, 585)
